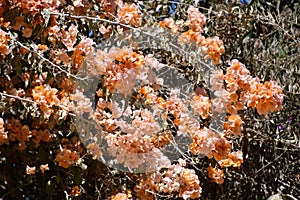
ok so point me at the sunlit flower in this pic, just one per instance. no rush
(196, 19)
(169, 23)
(43, 168)
(75, 191)
(3, 133)
(235, 159)
(129, 14)
(201, 106)
(66, 157)
(233, 125)
(120, 196)
(215, 174)
(30, 170)
(46, 97)
(222, 148)
(175, 179)
(4, 39)
(214, 48)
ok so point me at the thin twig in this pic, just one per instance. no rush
(50, 62)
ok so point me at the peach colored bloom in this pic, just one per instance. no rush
(3, 133)
(201, 106)
(4, 39)
(75, 191)
(43, 168)
(235, 159)
(30, 170)
(203, 142)
(233, 125)
(222, 149)
(196, 19)
(217, 175)
(169, 23)
(129, 14)
(41, 135)
(120, 196)
(66, 157)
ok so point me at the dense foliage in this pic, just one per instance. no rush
(253, 49)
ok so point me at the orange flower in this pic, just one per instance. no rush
(169, 23)
(214, 48)
(120, 196)
(129, 14)
(203, 142)
(217, 175)
(235, 159)
(201, 106)
(161, 140)
(75, 191)
(30, 170)
(190, 188)
(43, 168)
(18, 132)
(3, 133)
(4, 39)
(46, 97)
(222, 149)
(233, 125)
(196, 19)
(66, 157)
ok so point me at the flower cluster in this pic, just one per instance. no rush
(34, 6)
(266, 97)
(122, 196)
(19, 132)
(3, 133)
(196, 19)
(221, 149)
(176, 178)
(202, 106)
(233, 125)
(212, 48)
(46, 97)
(203, 142)
(215, 174)
(40, 135)
(243, 91)
(235, 159)
(23, 134)
(80, 104)
(4, 39)
(120, 67)
(129, 14)
(136, 131)
(66, 157)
